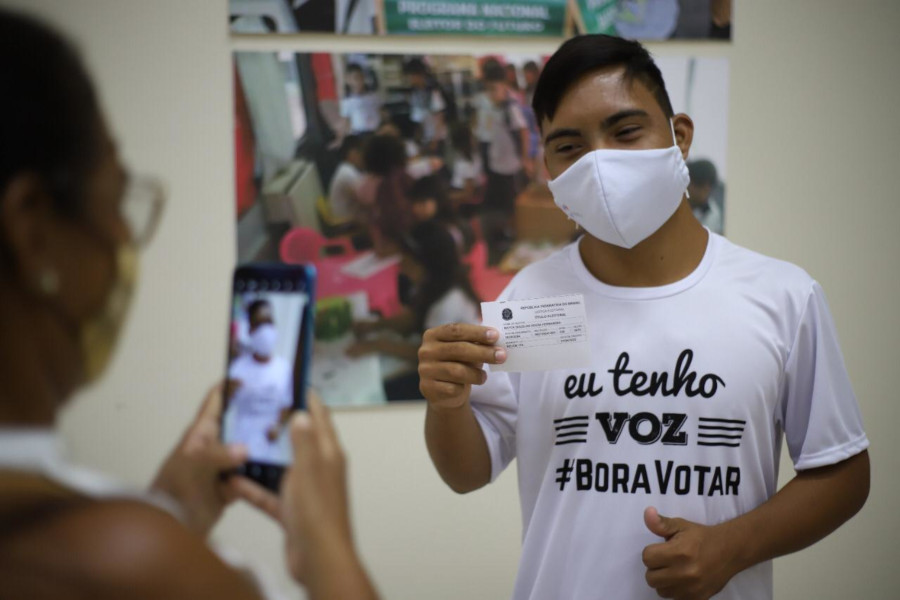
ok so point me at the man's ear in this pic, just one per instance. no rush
(26, 211)
(684, 133)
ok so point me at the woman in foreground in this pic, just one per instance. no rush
(71, 221)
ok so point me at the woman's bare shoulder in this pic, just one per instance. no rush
(115, 549)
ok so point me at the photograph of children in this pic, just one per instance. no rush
(416, 186)
(259, 392)
(699, 87)
(648, 20)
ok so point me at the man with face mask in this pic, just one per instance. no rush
(260, 389)
(654, 471)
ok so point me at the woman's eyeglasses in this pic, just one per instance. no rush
(142, 207)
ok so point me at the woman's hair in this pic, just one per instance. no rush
(354, 141)
(49, 114)
(391, 215)
(512, 77)
(433, 187)
(462, 140)
(384, 153)
(432, 246)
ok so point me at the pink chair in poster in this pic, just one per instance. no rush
(487, 281)
(305, 245)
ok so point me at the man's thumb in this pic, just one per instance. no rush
(658, 524)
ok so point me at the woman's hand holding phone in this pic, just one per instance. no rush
(191, 473)
(313, 509)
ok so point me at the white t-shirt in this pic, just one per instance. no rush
(267, 389)
(739, 351)
(343, 193)
(364, 112)
(483, 107)
(417, 168)
(497, 125)
(464, 169)
(423, 104)
(453, 307)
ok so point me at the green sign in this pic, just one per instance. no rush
(478, 17)
(597, 16)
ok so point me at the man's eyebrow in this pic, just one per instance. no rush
(622, 114)
(558, 133)
(607, 123)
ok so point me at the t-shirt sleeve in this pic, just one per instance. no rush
(346, 108)
(496, 407)
(437, 102)
(454, 307)
(819, 412)
(419, 168)
(462, 170)
(516, 118)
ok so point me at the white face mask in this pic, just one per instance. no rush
(263, 339)
(623, 196)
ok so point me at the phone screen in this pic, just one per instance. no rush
(268, 353)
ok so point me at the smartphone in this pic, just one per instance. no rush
(269, 349)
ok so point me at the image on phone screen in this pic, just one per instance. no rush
(265, 363)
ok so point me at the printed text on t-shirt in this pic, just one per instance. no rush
(639, 383)
(644, 428)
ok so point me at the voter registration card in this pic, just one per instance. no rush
(540, 334)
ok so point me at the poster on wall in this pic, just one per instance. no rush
(415, 185)
(647, 20)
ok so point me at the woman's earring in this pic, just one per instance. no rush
(48, 282)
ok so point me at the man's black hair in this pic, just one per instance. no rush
(493, 72)
(531, 66)
(257, 305)
(49, 115)
(415, 66)
(354, 68)
(585, 54)
(703, 172)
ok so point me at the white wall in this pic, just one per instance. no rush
(812, 163)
